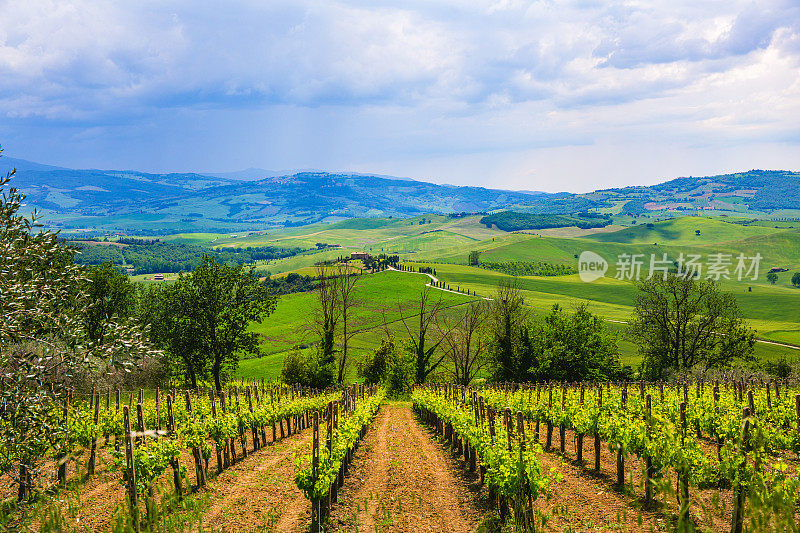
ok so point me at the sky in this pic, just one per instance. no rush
(546, 95)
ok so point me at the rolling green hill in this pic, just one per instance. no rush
(683, 231)
(769, 309)
(381, 297)
(424, 223)
(108, 201)
(114, 200)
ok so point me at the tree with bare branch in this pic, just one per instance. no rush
(346, 283)
(423, 337)
(464, 341)
(326, 316)
(508, 333)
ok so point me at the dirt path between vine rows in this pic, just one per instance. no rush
(401, 480)
(259, 493)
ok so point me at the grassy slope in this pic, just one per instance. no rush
(406, 237)
(445, 244)
(381, 296)
(681, 231)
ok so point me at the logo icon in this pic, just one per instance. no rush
(591, 266)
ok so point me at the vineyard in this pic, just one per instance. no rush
(185, 437)
(705, 456)
(726, 454)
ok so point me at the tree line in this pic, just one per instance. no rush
(500, 338)
(529, 268)
(679, 325)
(154, 256)
(514, 221)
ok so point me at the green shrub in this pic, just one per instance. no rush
(307, 369)
(400, 375)
(392, 367)
(373, 367)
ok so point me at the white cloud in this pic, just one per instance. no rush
(419, 82)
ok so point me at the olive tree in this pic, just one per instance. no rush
(44, 338)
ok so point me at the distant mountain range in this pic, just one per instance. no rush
(129, 200)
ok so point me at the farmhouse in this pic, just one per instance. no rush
(778, 269)
(360, 255)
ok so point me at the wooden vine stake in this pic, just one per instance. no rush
(158, 409)
(697, 421)
(549, 441)
(315, 502)
(562, 428)
(737, 517)
(108, 408)
(490, 413)
(597, 434)
(198, 459)
(259, 400)
(473, 461)
(620, 456)
(538, 398)
(329, 446)
(529, 507)
(117, 437)
(176, 467)
(93, 454)
(254, 427)
(130, 471)
(272, 406)
(482, 411)
(230, 448)
(508, 421)
(242, 434)
(62, 457)
(579, 444)
(140, 438)
(683, 476)
(769, 396)
(220, 463)
(648, 461)
(717, 438)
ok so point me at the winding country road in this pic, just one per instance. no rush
(435, 279)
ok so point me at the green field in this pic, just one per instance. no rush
(382, 299)
(444, 244)
(683, 231)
